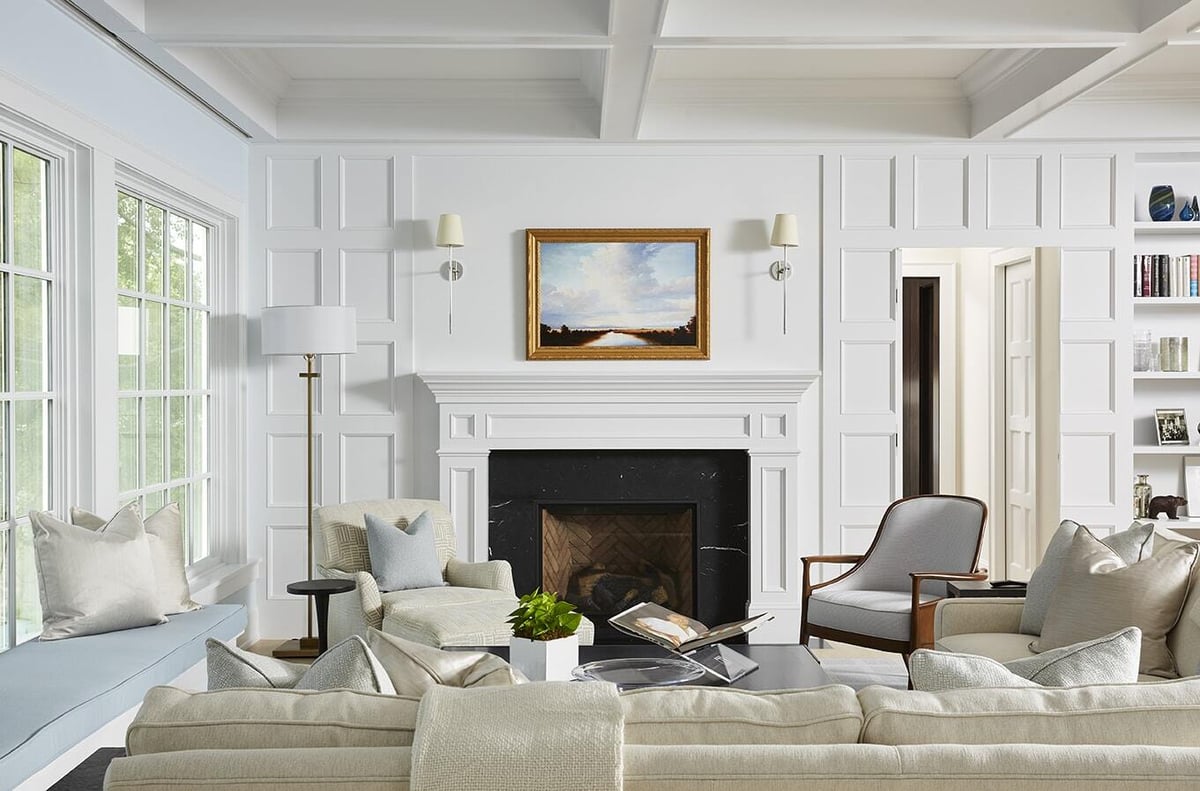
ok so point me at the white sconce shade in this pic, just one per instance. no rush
(129, 331)
(786, 232)
(450, 231)
(309, 329)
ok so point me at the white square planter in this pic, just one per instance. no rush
(545, 660)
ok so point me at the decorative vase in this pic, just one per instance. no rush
(1195, 208)
(1187, 213)
(1162, 203)
(545, 660)
(1142, 492)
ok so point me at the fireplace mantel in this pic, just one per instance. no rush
(756, 411)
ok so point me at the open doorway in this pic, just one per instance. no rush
(979, 394)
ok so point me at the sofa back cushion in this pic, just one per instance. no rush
(702, 715)
(249, 719)
(1163, 713)
(1184, 639)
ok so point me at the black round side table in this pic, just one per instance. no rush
(321, 590)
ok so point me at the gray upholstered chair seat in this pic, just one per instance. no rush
(885, 614)
(435, 597)
(1001, 646)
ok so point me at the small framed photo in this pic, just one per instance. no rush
(1172, 426)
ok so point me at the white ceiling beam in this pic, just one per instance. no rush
(242, 23)
(634, 27)
(1053, 78)
(255, 121)
(1022, 20)
(858, 41)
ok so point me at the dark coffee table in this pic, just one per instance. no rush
(779, 666)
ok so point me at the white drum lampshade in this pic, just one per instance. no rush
(309, 329)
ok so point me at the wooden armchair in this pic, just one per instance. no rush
(886, 601)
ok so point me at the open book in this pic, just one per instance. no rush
(676, 632)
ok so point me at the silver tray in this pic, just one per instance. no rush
(636, 672)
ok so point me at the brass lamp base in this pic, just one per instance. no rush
(302, 648)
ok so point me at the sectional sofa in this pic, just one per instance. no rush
(822, 739)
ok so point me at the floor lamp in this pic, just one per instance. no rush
(308, 331)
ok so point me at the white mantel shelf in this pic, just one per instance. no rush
(623, 387)
(480, 412)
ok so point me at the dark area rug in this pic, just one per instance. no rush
(89, 775)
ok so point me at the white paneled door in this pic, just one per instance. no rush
(1020, 418)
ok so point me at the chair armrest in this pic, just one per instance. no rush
(974, 616)
(806, 586)
(369, 599)
(491, 575)
(948, 576)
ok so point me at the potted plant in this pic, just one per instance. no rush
(544, 645)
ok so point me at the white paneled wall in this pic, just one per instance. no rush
(354, 224)
(332, 230)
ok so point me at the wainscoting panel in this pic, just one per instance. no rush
(366, 192)
(368, 284)
(1014, 192)
(287, 455)
(868, 193)
(293, 193)
(368, 379)
(367, 466)
(1089, 457)
(1088, 280)
(867, 280)
(868, 378)
(287, 555)
(1087, 380)
(940, 193)
(1087, 194)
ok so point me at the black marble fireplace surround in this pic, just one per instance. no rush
(714, 482)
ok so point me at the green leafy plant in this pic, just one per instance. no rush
(541, 615)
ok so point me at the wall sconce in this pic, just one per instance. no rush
(785, 234)
(450, 236)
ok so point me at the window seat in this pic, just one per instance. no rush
(54, 695)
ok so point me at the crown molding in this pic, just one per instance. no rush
(994, 68)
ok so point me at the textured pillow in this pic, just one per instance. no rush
(415, 667)
(1130, 545)
(1184, 639)
(165, 531)
(403, 558)
(347, 665)
(93, 581)
(1112, 659)
(1099, 593)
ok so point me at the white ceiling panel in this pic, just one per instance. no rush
(807, 64)
(375, 63)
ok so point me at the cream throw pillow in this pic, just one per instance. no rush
(1099, 593)
(165, 531)
(94, 581)
(415, 667)
(347, 665)
(1112, 659)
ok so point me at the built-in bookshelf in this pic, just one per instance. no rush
(1165, 280)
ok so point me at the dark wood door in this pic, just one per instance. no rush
(921, 380)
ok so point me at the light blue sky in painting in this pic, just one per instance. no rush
(631, 285)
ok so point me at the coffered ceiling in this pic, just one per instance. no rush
(678, 70)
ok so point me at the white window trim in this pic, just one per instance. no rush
(69, 165)
(227, 370)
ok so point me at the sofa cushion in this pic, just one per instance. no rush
(702, 715)
(886, 614)
(1112, 659)
(94, 581)
(1001, 646)
(1184, 639)
(347, 665)
(403, 558)
(1099, 593)
(351, 768)
(1130, 545)
(250, 719)
(1164, 713)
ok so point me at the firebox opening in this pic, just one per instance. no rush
(605, 557)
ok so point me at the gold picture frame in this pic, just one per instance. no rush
(617, 293)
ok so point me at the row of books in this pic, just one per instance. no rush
(1166, 275)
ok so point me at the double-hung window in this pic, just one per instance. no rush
(164, 400)
(28, 398)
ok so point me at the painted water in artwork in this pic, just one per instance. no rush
(618, 294)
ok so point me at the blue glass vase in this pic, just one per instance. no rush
(1162, 203)
(1187, 213)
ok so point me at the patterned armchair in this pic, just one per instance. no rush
(471, 609)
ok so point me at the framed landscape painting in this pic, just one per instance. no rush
(617, 293)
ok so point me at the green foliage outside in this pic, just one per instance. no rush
(541, 615)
